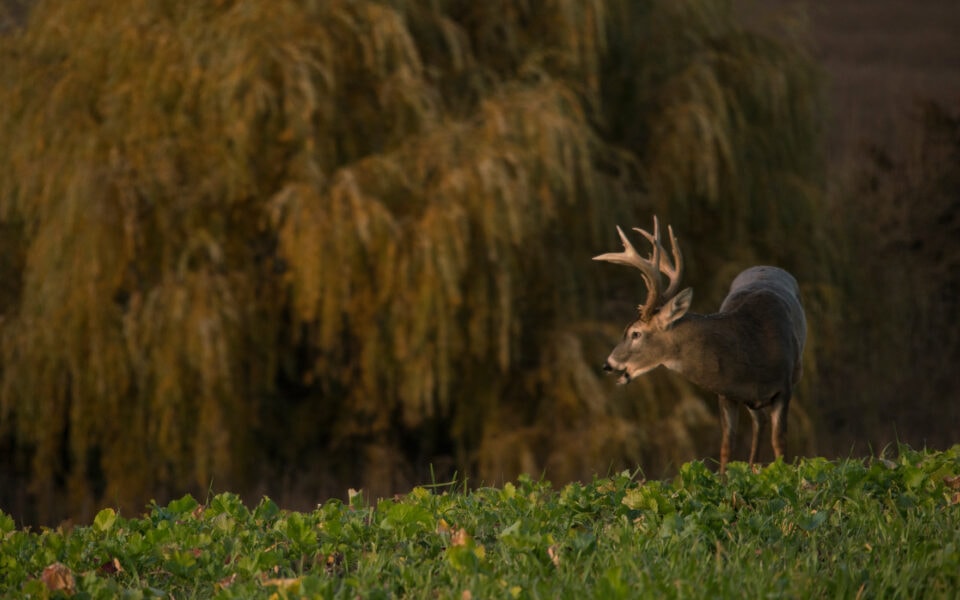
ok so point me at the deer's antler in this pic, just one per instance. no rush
(651, 268)
(673, 270)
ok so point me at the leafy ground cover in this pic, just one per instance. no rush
(817, 529)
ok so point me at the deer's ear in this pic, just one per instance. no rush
(675, 308)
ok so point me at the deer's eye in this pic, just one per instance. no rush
(635, 335)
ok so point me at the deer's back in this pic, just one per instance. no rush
(770, 297)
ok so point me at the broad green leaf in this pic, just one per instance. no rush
(183, 506)
(7, 523)
(105, 519)
(813, 520)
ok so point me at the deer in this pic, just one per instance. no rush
(749, 353)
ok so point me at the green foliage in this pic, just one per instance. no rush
(820, 528)
(246, 235)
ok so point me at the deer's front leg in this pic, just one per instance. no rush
(729, 413)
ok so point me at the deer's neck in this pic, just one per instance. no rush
(708, 350)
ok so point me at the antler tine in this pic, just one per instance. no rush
(673, 270)
(648, 268)
(675, 274)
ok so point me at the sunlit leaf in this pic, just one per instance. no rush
(105, 519)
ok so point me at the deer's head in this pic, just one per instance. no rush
(648, 342)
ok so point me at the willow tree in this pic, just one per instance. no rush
(250, 233)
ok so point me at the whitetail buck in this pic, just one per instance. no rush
(748, 353)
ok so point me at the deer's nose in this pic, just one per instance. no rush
(607, 367)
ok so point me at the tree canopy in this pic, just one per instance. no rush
(356, 235)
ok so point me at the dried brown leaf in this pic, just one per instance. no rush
(459, 537)
(111, 567)
(227, 581)
(554, 553)
(59, 578)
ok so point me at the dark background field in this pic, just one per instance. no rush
(885, 62)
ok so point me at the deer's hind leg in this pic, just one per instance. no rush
(759, 418)
(729, 413)
(778, 424)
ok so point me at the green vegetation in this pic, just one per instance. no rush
(878, 528)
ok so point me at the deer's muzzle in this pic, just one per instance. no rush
(612, 368)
